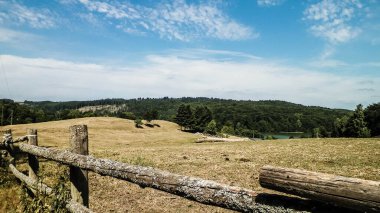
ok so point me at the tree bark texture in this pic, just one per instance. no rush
(359, 194)
(33, 164)
(79, 177)
(203, 191)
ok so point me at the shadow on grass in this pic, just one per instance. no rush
(149, 125)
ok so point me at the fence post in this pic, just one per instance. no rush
(10, 149)
(78, 177)
(33, 164)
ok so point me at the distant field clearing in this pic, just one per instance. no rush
(167, 148)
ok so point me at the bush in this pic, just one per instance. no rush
(228, 130)
(211, 128)
(138, 123)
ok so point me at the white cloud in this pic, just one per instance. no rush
(332, 20)
(176, 19)
(12, 36)
(268, 3)
(91, 19)
(329, 63)
(15, 13)
(224, 55)
(172, 76)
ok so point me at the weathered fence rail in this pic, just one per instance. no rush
(291, 181)
(200, 190)
(203, 191)
(359, 194)
(75, 205)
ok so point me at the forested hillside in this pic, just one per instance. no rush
(262, 116)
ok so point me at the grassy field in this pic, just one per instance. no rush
(167, 148)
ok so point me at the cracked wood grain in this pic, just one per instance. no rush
(359, 194)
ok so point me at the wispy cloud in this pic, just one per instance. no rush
(16, 13)
(269, 3)
(328, 63)
(12, 36)
(174, 20)
(170, 75)
(332, 20)
(212, 54)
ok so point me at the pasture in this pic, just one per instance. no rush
(167, 148)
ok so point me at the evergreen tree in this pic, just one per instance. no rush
(184, 116)
(180, 117)
(202, 116)
(372, 117)
(356, 126)
(151, 115)
(188, 117)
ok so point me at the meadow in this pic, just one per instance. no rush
(167, 148)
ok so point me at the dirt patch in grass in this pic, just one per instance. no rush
(168, 148)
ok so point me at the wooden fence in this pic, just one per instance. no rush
(200, 190)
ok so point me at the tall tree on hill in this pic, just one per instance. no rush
(356, 125)
(151, 115)
(184, 116)
(202, 116)
(372, 117)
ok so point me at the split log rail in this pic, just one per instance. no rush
(362, 195)
(354, 193)
(77, 158)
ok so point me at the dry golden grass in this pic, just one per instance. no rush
(167, 148)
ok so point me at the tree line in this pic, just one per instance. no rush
(361, 123)
(238, 117)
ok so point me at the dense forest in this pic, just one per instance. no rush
(240, 115)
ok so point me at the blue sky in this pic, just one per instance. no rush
(313, 52)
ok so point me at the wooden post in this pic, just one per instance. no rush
(78, 177)
(33, 164)
(354, 193)
(10, 148)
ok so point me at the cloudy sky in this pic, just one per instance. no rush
(312, 52)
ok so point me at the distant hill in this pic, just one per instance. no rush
(262, 116)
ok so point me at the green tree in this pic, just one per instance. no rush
(316, 132)
(227, 130)
(138, 123)
(340, 125)
(184, 116)
(202, 116)
(239, 128)
(180, 117)
(356, 125)
(372, 117)
(264, 126)
(211, 128)
(127, 115)
(74, 114)
(298, 120)
(150, 115)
